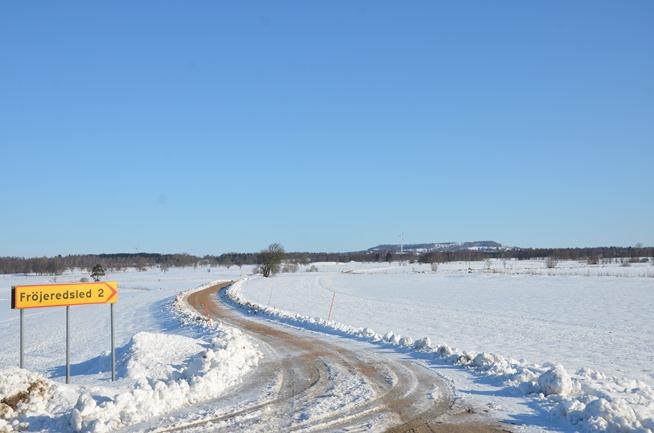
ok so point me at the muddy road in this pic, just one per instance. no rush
(308, 382)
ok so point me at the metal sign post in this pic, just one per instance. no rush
(22, 313)
(67, 344)
(113, 348)
(65, 295)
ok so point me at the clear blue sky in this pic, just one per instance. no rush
(205, 127)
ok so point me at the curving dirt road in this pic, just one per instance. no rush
(313, 383)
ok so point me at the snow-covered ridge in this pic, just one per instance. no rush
(441, 247)
(589, 400)
(159, 372)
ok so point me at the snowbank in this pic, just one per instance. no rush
(161, 385)
(589, 400)
(28, 400)
(22, 392)
(159, 372)
(555, 381)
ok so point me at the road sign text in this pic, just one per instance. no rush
(57, 295)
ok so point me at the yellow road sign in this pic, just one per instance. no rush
(59, 295)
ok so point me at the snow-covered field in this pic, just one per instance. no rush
(142, 306)
(496, 333)
(600, 322)
(597, 327)
(168, 356)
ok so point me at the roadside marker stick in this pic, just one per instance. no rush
(331, 306)
(270, 296)
(67, 344)
(206, 313)
(113, 346)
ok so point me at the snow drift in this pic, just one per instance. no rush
(160, 372)
(589, 400)
(162, 385)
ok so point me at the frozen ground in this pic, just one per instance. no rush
(588, 339)
(595, 317)
(577, 320)
(167, 357)
(142, 306)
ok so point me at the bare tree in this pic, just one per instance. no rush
(270, 259)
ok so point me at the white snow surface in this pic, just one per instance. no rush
(589, 339)
(583, 336)
(176, 366)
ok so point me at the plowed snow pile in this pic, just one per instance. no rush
(159, 372)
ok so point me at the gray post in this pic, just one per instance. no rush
(21, 336)
(67, 344)
(113, 348)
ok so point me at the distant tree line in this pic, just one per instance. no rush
(113, 262)
(240, 259)
(588, 254)
(119, 261)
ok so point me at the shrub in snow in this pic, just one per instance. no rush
(555, 381)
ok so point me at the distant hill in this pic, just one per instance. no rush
(441, 247)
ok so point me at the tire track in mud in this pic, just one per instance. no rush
(307, 371)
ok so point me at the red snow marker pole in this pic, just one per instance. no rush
(331, 306)
(206, 313)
